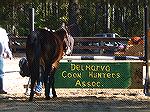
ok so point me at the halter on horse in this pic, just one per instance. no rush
(46, 48)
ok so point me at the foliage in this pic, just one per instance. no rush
(124, 17)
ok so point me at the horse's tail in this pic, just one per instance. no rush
(36, 54)
(33, 49)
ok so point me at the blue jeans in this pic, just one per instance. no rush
(38, 88)
(1, 72)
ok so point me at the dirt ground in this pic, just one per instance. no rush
(81, 100)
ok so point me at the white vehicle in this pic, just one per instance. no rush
(113, 35)
(109, 35)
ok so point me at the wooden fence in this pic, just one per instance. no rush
(96, 45)
(82, 45)
(17, 44)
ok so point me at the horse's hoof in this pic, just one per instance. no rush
(54, 96)
(47, 98)
(30, 99)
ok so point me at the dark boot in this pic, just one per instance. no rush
(1, 87)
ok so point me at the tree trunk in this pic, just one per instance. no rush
(72, 12)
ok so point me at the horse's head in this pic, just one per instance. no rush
(64, 35)
(69, 41)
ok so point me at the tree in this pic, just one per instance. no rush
(84, 17)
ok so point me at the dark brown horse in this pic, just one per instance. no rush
(45, 48)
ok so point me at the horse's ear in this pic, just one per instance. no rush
(63, 26)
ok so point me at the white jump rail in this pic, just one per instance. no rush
(103, 58)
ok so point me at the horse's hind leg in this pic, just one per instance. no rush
(32, 89)
(52, 81)
(47, 87)
(47, 81)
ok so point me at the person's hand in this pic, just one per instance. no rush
(9, 56)
(6, 55)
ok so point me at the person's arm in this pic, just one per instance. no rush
(7, 52)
